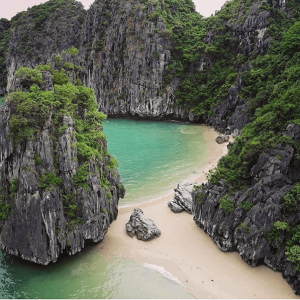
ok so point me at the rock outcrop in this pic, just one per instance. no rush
(144, 60)
(249, 221)
(128, 54)
(54, 197)
(221, 139)
(182, 199)
(142, 227)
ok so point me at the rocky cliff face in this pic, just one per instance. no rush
(250, 221)
(160, 59)
(42, 31)
(128, 49)
(54, 198)
(248, 27)
(4, 40)
(125, 51)
(127, 54)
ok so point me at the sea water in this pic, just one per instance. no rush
(153, 158)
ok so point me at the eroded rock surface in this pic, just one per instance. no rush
(142, 227)
(182, 199)
(48, 205)
(246, 222)
(221, 139)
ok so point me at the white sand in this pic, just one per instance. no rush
(188, 253)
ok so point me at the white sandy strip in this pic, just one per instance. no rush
(188, 254)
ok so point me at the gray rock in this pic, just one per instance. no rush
(142, 227)
(255, 211)
(40, 226)
(182, 198)
(222, 139)
(230, 144)
(175, 207)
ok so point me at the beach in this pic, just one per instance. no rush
(188, 253)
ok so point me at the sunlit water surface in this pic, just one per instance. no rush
(153, 157)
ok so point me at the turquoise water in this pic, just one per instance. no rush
(86, 275)
(1, 101)
(153, 157)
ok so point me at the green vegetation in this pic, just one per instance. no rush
(33, 109)
(226, 204)
(200, 197)
(73, 51)
(49, 180)
(246, 205)
(81, 176)
(5, 210)
(38, 160)
(43, 12)
(28, 77)
(4, 40)
(244, 227)
(291, 200)
(14, 186)
(60, 77)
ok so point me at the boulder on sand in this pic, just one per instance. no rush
(222, 139)
(182, 199)
(142, 227)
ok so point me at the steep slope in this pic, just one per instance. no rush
(129, 50)
(42, 31)
(251, 204)
(59, 186)
(237, 71)
(126, 48)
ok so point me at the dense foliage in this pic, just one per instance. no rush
(4, 39)
(34, 107)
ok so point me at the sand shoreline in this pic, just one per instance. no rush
(188, 253)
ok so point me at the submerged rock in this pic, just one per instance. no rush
(182, 199)
(142, 227)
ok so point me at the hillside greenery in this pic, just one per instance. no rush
(36, 107)
(4, 40)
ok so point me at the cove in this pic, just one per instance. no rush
(153, 157)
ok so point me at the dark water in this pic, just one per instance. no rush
(153, 156)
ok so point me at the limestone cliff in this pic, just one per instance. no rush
(237, 71)
(127, 54)
(58, 189)
(258, 222)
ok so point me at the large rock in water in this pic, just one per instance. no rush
(183, 198)
(54, 197)
(142, 227)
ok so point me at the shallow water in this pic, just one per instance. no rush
(86, 275)
(154, 157)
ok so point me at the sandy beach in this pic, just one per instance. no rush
(185, 251)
